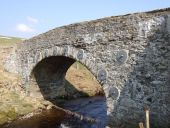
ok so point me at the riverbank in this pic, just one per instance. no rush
(12, 105)
(13, 102)
(79, 113)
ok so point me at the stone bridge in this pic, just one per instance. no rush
(129, 55)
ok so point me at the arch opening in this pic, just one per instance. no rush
(48, 77)
(60, 78)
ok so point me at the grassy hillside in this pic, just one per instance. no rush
(6, 41)
(83, 80)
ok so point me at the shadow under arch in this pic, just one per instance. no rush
(47, 77)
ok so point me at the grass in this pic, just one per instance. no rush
(6, 41)
(83, 80)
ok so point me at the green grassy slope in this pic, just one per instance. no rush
(6, 41)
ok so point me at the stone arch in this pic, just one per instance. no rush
(63, 57)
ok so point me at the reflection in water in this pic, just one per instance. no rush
(92, 107)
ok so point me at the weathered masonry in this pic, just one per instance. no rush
(129, 55)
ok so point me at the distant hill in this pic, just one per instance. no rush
(7, 41)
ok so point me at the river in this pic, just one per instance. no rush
(93, 107)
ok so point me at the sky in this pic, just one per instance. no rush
(27, 18)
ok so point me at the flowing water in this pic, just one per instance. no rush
(94, 107)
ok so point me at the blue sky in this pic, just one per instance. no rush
(27, 18)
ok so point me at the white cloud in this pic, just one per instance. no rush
(31, 19)
(24, 28)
